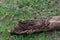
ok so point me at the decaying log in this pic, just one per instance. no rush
(39, 25)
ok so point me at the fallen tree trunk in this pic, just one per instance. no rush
(39, 25)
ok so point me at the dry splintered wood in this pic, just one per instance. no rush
(39, 25)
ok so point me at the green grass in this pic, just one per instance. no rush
(13, 10)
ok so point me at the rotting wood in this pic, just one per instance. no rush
(39, 25)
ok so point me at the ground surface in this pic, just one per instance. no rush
(13, 10)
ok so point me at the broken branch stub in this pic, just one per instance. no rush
(39, 25)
